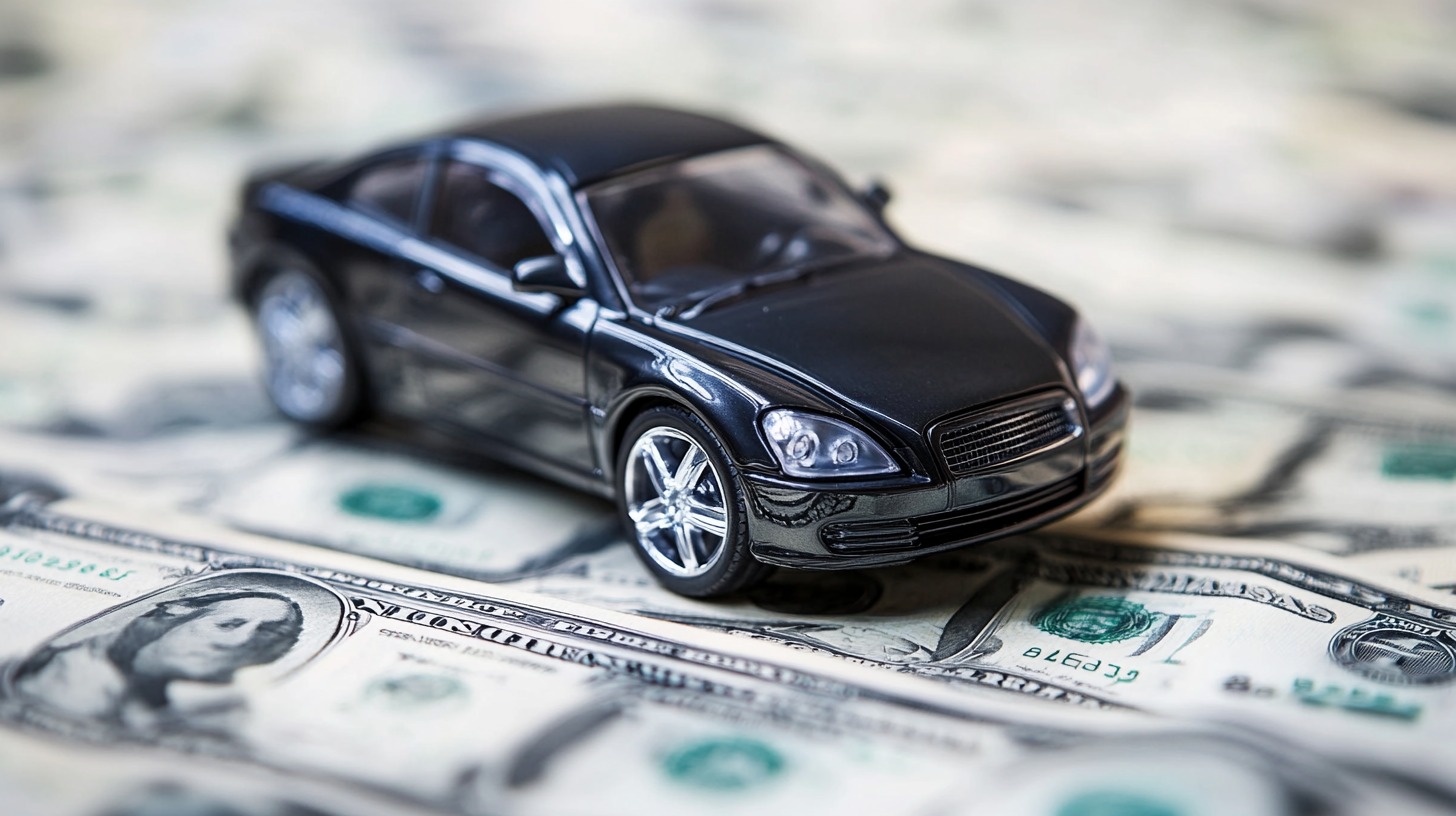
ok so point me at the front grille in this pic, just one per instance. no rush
(1006, 434)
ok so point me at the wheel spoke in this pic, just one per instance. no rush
(711, 520)
(685, 552)
(657, 470)
(650, 516)
(315, 326)
(690, 469)
(328, 365)
(279, 325)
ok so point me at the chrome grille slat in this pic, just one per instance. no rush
(1011, 420)
(1006, 434)
(1005, 437)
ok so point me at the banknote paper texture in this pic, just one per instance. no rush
(1340, 473)
(1254, 200)
(41, 775)
(463, 697)
(1157, 622)
(448, 698)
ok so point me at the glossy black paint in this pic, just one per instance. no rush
(586, 145)
(548, 380)
(901, 331)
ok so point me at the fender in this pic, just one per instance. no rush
(631, 367)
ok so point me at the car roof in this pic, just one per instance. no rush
(589, 144)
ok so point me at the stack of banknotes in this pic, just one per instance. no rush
(204, 610)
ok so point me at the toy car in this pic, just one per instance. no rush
(690, 318)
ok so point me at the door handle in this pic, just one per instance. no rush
(430, 281)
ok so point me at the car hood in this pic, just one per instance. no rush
(911, 338)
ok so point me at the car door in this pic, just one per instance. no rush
(505, 364)
(384, 198)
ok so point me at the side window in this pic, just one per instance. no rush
(389, 190)
(483, 218)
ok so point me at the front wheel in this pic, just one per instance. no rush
(682, 507)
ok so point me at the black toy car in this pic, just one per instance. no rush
(686, 316)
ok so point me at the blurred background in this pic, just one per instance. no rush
(1254, 199)
(1072, 138)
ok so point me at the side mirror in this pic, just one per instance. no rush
(548, 273)
(875, 195)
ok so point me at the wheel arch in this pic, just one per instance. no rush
(274, 256)
(744, 446)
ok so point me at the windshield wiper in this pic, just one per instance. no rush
(695, 304)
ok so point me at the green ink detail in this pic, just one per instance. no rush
(390, 502)
(1354, 699)
(415, 690)
(730, 764)
(1442, 263)
(1428, 313)
(1116, 803)
(1420, 462)
(1096, 619)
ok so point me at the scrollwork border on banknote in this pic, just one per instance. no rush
(1314, 581)
(535, 629)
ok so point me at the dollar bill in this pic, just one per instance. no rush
(1233, 630)
(41, 775)
(1259, 632)
(452, 697)
(467, 516)
(1434, 568)
(458, 696)
(961, 614)
(1342, 475)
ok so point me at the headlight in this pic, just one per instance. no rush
(1092, 363)
(817, 447)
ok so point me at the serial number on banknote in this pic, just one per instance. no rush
(76, 566)
(1082, 662)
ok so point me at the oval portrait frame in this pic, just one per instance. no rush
(325, 614)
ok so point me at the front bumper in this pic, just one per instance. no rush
(837, 527)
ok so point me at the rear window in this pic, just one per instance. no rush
(390, 190)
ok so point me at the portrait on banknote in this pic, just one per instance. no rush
(174, 661)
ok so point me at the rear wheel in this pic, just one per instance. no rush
(309, 369)
(682, 507)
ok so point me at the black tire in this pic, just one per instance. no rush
(730, 566)
(340, 378)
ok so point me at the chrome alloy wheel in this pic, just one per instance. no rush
(302, 346)
(674, 500)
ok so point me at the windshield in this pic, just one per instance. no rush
(691, 227)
